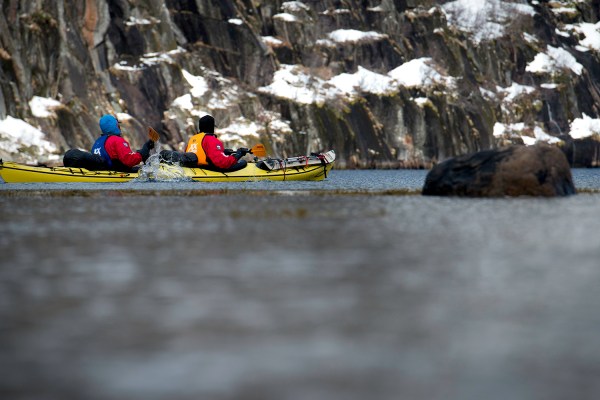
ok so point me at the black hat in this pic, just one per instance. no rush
(206, 124)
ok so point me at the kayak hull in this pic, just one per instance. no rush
(12, 172)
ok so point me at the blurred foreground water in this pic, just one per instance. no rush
(342, 289)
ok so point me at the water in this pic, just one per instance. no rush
(370, 180)
(338, 181)
(342, 289)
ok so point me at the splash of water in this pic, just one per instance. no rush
(153, 170)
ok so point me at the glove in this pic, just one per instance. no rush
(145, 150)
(241, 152)
(228, 152)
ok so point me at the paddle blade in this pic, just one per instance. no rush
(259, 150)
(153, 135)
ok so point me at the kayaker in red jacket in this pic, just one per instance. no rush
(205, 150)
(115, 150)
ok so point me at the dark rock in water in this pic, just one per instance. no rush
(582, 153)
(539, 170)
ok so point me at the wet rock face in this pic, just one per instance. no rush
(539, 170)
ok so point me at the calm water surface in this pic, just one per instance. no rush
(344, 180)
(289, 290)
(373, 180)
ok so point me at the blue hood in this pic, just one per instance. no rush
(109, 125)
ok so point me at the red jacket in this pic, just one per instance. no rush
(118, 148)
(214, 152)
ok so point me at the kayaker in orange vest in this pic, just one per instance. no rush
(205, 150)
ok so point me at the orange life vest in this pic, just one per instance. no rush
(195, 146)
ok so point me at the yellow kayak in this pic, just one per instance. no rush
(303, 168)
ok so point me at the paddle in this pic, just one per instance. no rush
(258, 150)
(153, 135)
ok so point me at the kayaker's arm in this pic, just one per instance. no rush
(215, 152)
(118, 148)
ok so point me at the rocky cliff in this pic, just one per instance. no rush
(385, 83)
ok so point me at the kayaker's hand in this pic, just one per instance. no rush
(145, 153)
(145, 150)
(228, 152)
(241, 152)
